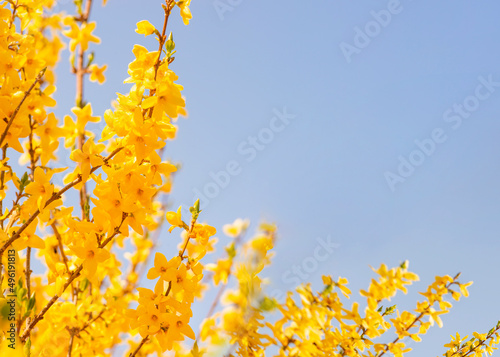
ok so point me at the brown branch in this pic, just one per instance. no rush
(28, 252)
(70, 347)
(415, 320)
(40, 316)
(162, 39)
(61, 248)
(144, 340)
(76, 273)
(14, 9)
(26, 94)
(181, 254)
(88, 323)
(117, 230)
(168, 8)
(2, 181)
(237, 241)
(73, 276)
(55, 196)
(80, 74)
(489, 336)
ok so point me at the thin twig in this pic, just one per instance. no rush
(417, 319)
(26, 94)
(70, 347)
(144, 340)
(73, 276)
(2, 181)
(181, 254)
(80, 74)
(88, 323)
(55, 196)
(60, 245)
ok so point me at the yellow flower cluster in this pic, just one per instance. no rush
(165, 312)
(238, 326)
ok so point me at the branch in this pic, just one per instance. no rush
(144, 340)
(55, 196)
(181, 254)
(26, 94)
(80, 74)
(40, 316)
(415, 320)
(73, 276)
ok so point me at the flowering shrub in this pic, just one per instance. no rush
(88, 302)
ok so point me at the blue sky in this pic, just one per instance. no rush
(416, 99)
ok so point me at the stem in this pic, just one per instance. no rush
(414, 322)
(88, 323)
(13, 17)
(479, 344)
(181, 254)
(167, 10)
(70, 348)
(2, 181)
(13, 115)
(223, 287)
(28, 271)
(40, 316)
(144, 340)
(31, 149)
(80, 74)
(61, 248)
(55, 196)
(73, 276)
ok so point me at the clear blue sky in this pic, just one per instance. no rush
(348, 165)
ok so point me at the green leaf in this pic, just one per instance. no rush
(195, 352)
(170, 44)
(268, 304)
(24, 181)
(21, 294)
(390, 310)
(328, 289)
(195, 210)
(31, 302)
(231, 250)
(90, 58)
(84, 284)
(27, 347)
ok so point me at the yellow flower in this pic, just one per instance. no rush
(174, 218)
(83, 116)
(175, 328)
(40, 188)
(185, 12)
(90, 253)
(164, 268)
(238, 227)
(29, 238)
(97, 73)
(221, 270)
(463, 288)
(80, 35)
(88, 157)
(145, 28)
(152, 318)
